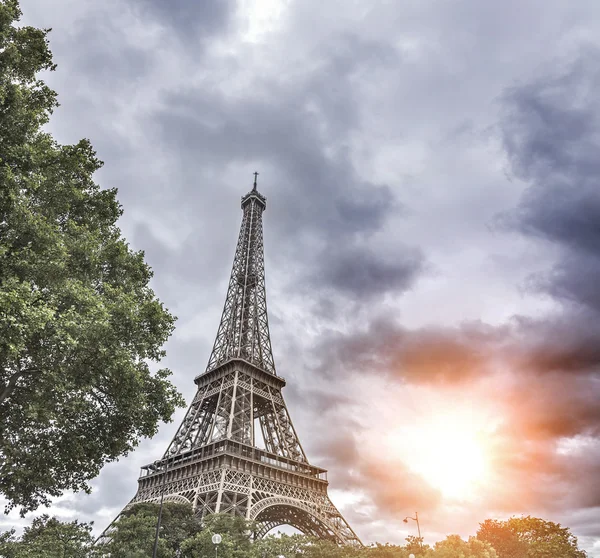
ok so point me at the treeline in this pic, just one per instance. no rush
(182, 535)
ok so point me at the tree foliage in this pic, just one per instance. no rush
(133, 534)
(300, 546)
(79, 323)
(47, 537)
(133, 537)
(183, 535)
(389, 551)
(529, 537)
(455, 547)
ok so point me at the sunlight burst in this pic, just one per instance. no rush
(449, 452)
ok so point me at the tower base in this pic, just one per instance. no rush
(230, 477)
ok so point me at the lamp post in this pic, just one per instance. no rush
(216, 540)
(415, 518)
(160, 508)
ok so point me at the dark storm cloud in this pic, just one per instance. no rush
(104, 55)
(567, 343)
(360, 272)
(574, 279)
(428, 355)
(550, 132)
(189, 18)
(553, 407)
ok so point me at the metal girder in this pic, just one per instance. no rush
(244, 328)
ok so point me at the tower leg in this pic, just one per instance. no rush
(220, 493)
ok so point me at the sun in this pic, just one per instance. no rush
(448, 451)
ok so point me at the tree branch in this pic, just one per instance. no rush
(12, 382)
(100, 400)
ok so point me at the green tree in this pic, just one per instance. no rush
(506, 541)
(8, 544)
(79, 323)
(48, 537)
(236, 535)
(284, 545)
(133, 537)
(455, 547)
(529, 537)
(133, 534)
(302, 546)
(387, 551)
(322, 548)
(415, 545)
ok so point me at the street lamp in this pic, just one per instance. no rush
(415, 518)
(216, 540)
(160, 507)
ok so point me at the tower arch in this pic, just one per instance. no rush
(276, 510)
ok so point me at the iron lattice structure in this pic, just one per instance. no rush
(214, 461)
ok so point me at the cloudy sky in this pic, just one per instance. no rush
(432, 233)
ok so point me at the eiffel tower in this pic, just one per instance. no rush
(215, 462)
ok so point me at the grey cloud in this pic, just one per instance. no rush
(320, 402)
(190, 18)
(550, 134)
(572, 280)
(359, 272)
(551, 408)
(115, 485)
(365, 207)
(428, 355)
(567, 343)
(548, 124)
(318, 194)
(105, 57)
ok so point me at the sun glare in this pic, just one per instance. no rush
(448, 452)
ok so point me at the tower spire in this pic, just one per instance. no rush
(244, 329)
